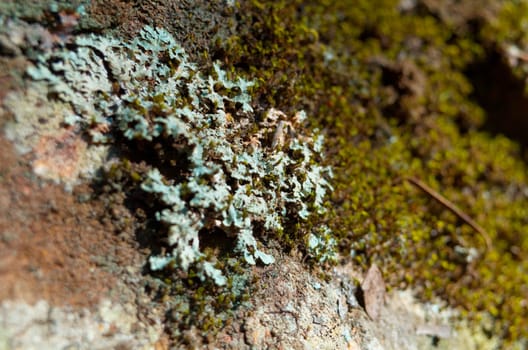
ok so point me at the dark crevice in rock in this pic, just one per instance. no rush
(502, 95)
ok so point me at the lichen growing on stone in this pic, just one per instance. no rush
(386, 81)
(221, 170)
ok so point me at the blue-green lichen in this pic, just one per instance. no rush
(234, 172)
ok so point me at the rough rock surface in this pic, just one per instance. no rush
(73, 256)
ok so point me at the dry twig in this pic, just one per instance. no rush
(453, 208)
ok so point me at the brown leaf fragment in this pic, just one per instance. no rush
(373, 288)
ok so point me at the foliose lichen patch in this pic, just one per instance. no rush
(221, 170)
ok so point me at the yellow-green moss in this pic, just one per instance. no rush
(387, 87)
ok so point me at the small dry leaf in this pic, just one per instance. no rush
(373, 288)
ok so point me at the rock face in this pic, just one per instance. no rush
(224, 174)
(292, 309)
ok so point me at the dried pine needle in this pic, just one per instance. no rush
(453, 208)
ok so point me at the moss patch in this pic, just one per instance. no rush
(387, 85)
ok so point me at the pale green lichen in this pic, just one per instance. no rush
(233, 174)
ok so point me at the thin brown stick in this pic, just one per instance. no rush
(452, 208)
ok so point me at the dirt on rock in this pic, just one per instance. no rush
(51, 242)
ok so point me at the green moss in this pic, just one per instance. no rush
(388, 88)
(202, 305)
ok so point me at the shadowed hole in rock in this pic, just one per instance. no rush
(502, 96)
